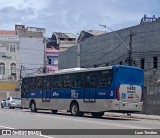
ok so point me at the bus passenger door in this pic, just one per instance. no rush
(90, 87)
(46, 95)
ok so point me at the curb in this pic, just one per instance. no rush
(132, 116)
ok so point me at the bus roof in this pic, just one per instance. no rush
(73, 70)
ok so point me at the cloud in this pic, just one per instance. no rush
(73, 16)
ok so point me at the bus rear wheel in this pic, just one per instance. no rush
(74, 109)
(33, 107)
(9, 106)
(97, 114)
(54, 111)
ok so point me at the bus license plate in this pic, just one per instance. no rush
(130, 106)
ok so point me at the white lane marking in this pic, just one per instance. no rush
(7, 127)
(15, 129)
(46, 136)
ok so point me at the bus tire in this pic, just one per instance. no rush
(128, 114)
(1, 105)
(74, 109)
(54, 111)
(33, 107)
(97, 114)
(9, 106)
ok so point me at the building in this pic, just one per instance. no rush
(31, 49)
(89, 33)
(59, 42)
(142, 40)
(9, 60)
(52, 60)
(63, 40)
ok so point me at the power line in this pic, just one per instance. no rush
(105, 54)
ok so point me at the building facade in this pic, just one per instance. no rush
(9, 58)
(59, 42)
(52, 60)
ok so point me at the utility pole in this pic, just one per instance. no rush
(130, 60)
(44, 42)
(21, 72)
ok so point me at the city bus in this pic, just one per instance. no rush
(98, 90)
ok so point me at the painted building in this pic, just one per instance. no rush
(57, 43)
(9, 58)
(52, 60)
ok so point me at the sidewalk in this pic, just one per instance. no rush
(133, 115)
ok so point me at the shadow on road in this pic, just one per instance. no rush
(86, 115)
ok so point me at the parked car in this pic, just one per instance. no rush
(11, 102)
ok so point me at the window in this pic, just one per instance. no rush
(46, 83)
(142, 63)
(25, 86)
(13, 68)
(77, 81)
(155, 64)
(32, 83)
(91, 79)
(39, 83)
(12, 47)
(2, 68)
(56, 61)
(49, 60)
(105, 78)
(67, 80)
(57, 81)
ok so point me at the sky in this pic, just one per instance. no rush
(73, 16)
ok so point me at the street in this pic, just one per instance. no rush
(24, 119)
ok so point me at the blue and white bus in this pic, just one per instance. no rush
(93, 90)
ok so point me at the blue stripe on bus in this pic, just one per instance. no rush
(77, 93)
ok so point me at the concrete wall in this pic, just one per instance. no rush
(68, 58)
(31, 55)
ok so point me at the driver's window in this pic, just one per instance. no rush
(8, 98)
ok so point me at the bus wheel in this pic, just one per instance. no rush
(97, 114)
(128, 114)
(1, 105)
(74, 109)
(9, 106)
(54, 111)
(33, 107)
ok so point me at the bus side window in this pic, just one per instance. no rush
(91, 79)
(67, 80)
(39, 84)
(32, 84)
(57, 83)
(77, 80)
(105, 78)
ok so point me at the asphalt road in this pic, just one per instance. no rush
(24, 119)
